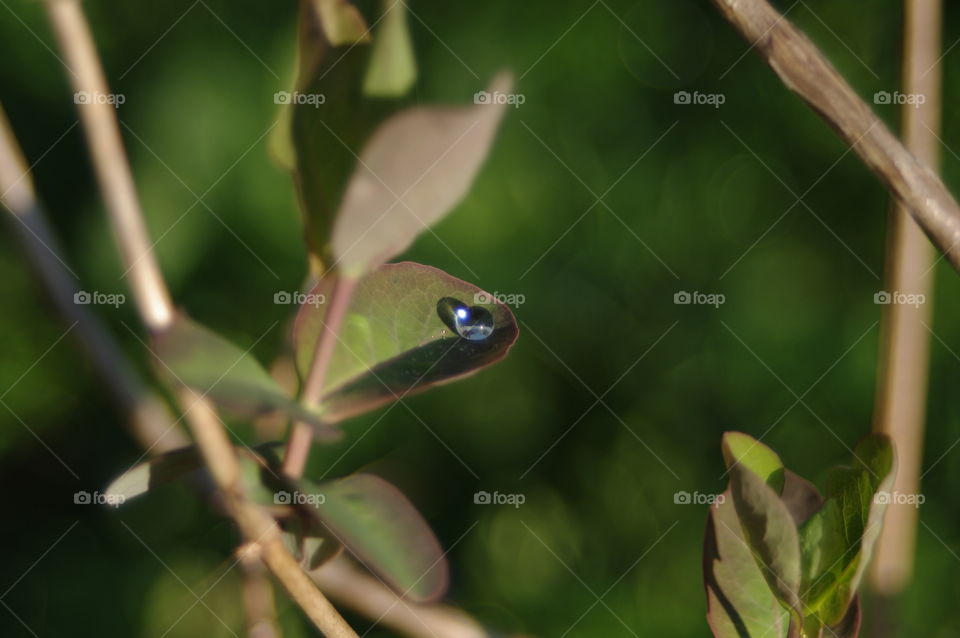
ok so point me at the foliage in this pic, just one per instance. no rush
(417, 165)
(779, 560)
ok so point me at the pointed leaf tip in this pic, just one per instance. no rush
(392, 69)
(416, 167)
(742, 448)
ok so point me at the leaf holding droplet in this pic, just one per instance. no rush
(198, 358)
(417, 166)
(393, 343)
(383, 530)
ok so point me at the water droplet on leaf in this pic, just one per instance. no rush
(474, 323)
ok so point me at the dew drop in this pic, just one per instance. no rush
(474, 323)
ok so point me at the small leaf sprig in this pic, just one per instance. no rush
(779, 559)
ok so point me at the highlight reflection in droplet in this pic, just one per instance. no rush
(474, 323)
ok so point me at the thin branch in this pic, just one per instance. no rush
(904, 358)
(156, 311)
(804, 70)
(261, 613)
(150, 419)
(358, 590)
(99, 120)
(301, 437)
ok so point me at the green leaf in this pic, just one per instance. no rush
(801, 497)
(320, 549)
(340, 21)
(739, 601)
(327, 30)
(849, 626)
(417, 166)
(392, 342)
(306, 538)
(382, 529)
(770, 531)
(177, 464)
(159, 470)
(198, 358)
(742, 448)
(319, 140)
(838, 540)
(392, 70)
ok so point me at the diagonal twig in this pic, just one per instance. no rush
(805, 71)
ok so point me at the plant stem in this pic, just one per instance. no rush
(99, 121)
(301, 436)
(804, 70)
(904, 356)
(156, 311)
(261, 613)
(151, 421)
(356, 589)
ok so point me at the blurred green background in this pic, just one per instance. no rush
(613, 399)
